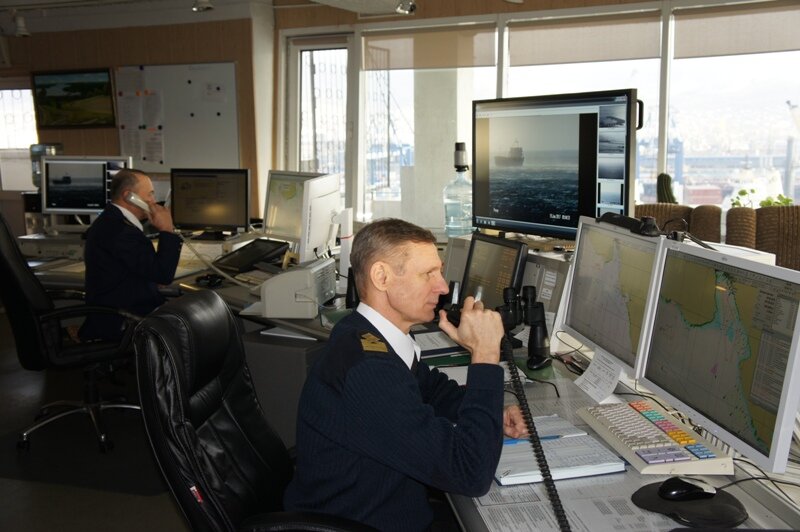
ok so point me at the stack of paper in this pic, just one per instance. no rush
(570, 453)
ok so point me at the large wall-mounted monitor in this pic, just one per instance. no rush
(80, 98)
(78, 184)
(540, 162)
(609, 294)
(300, 207)
(216, 201)
(724, 347)
(493, 264)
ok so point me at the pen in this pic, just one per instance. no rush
(514, 441)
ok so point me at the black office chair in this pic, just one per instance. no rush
(43, 343)
(225, 465)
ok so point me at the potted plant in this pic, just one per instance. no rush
(740, 221)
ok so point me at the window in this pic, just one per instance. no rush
(419, 88)
(734, 84)
(612, 52)
(323, 106)
(720, 93)
(316, 127)
(18, 119)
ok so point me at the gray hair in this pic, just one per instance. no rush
(384, 240)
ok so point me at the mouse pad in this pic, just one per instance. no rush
(721, 511)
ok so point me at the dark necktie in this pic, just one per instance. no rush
(414, 365)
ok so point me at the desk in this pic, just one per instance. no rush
(594, 503)
(591, 503)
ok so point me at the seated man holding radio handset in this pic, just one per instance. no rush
(123, 270)
(376, 426)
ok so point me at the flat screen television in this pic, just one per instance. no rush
(214, 200)
(78, 184)
(541, 162)
(80, 98)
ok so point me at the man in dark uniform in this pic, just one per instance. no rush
(123, 269)
(377, 427)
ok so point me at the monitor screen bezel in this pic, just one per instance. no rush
(243, 222)
(564, 323)
(102, 159)
(521, 259)
(482, 215)
(776, 459)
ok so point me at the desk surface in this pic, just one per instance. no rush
(592, 503)
(66, 274)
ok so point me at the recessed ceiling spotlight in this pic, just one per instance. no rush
(406, 8)
(202, 5)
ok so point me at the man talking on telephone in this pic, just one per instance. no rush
(377, 428)
(123, 269)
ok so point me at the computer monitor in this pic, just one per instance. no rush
(724, 349)
(493, 264)
(540, 162)
(300, 207)
(78, 184)
(609, 291)
(216, 201)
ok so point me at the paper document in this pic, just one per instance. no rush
(601, 377)
(435, 343)
(570, 453)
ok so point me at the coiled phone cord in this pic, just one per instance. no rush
(507, 352)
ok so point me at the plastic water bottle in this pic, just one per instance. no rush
(458, 197)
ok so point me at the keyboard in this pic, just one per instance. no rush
(655, 442)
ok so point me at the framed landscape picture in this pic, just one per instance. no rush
(73, 99)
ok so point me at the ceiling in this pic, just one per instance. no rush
(363, 7)
(366, 7)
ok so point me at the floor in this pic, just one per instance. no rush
(63, 482)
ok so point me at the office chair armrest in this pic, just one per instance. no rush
(282, 521)
(76, 295)
(77, 311)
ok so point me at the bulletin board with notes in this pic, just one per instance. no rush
(178, 116)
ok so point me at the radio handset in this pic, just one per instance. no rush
(134, 199)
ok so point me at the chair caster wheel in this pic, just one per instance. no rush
(23, 445)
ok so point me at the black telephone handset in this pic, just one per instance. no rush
(513, 315)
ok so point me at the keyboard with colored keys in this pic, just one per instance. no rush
(654, 441)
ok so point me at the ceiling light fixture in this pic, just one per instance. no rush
(406, 8)
(202, 5)
(19, 21)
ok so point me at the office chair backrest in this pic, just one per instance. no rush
(202, 416)
(25, 298)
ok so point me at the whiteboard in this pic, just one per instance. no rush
(178, 116)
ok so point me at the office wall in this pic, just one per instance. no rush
(204, 42)
(303, 13)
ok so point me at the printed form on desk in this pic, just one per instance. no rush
(592, 504)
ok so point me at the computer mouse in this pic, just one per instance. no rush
(209, 280)
(685, 489)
